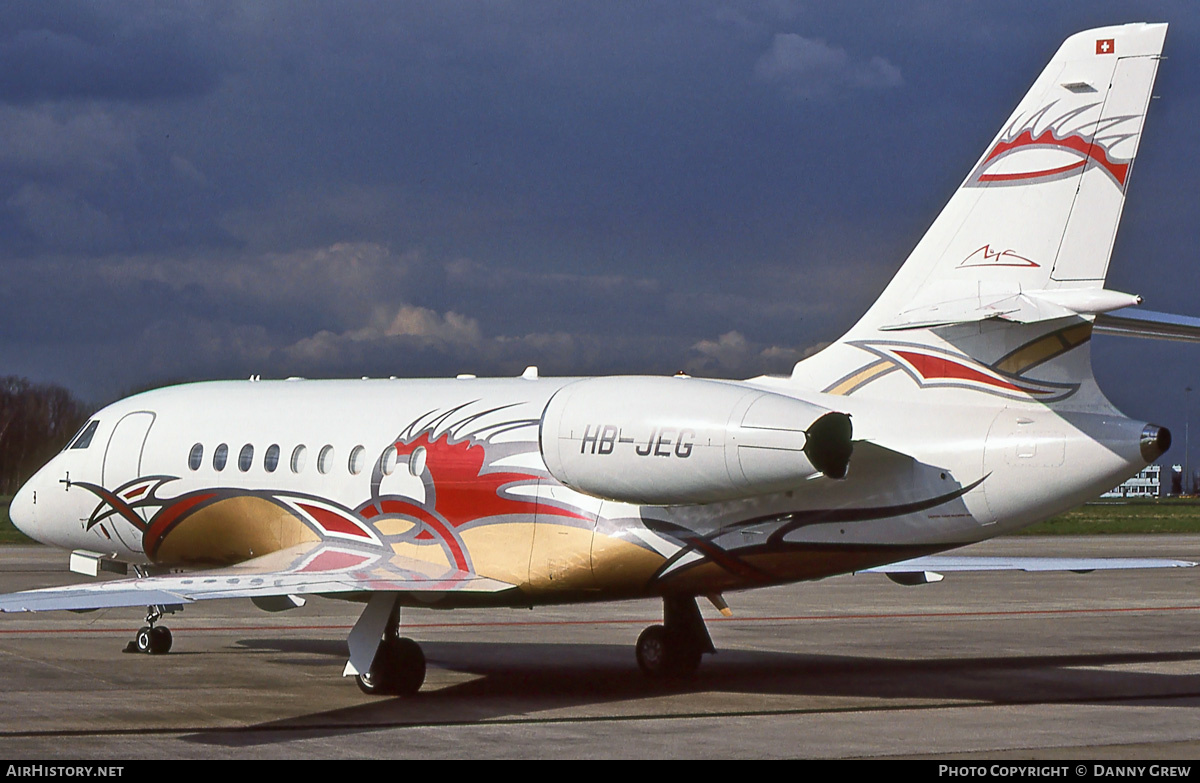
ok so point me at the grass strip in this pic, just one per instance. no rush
(9, 533)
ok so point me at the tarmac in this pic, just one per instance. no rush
(1007, 665)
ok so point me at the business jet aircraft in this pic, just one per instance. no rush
(960, 407)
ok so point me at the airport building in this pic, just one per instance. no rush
(1144, 485)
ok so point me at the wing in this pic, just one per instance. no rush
(1130, 322)
(930, 569)
(315, 567)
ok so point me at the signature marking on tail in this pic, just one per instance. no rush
(985, 256)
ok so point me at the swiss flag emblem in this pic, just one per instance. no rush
(1105, 46)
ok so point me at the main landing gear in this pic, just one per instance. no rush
(398, 669)
(673, 650)
(152, 639)
(386, 664)
(398, 665)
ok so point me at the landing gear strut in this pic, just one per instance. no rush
(673, 650)
(152, 639)
(398, 668)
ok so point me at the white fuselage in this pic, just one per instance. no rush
(453, 472)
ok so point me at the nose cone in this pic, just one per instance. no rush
(22, 511)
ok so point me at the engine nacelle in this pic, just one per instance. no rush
(672, 441)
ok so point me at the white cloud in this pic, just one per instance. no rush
(340, 285)
(62, 219)
(451, 334)
(421, 322)
(811, 68)
(187, 171)
(728, 350)
(421, 339)
(464, 271)
(732, 355)
(73, 142)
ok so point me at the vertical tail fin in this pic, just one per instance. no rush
(1020, 252)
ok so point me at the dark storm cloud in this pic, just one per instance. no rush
(808, 68)
(126, 52)
(208, 190)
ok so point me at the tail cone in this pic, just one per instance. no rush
(1155, 441)
(829, 447)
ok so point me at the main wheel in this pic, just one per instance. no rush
(367, 685)
(160, 640)
(398, 669)
(652, 652)
(663, 655)
(683, 658)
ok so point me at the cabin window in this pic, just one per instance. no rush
(84, 438)
(416, 461)
(325, 459)
(357, 458)
(299, 454)
(220, 456)
(196, 456)
(387, 463)
(271, 458)
(245, 458)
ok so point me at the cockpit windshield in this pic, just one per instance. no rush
(84, 438)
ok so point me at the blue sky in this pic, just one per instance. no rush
(196, 190)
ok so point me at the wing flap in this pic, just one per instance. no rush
(85, 597)
(304, 569)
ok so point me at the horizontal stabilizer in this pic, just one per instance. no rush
(304, 569)
(1140, 323)
(946, 563)
(1024, 307)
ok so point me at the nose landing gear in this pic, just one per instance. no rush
(152, 639)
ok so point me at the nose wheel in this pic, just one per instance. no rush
(152, 639)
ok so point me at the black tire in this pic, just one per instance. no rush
(652, 652)
(143, 639)
(366, 684)
(662, 655)
(160, 640)
(398, 669)
(683, 658)
(411, 664)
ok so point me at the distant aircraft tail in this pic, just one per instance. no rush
(1001, 293)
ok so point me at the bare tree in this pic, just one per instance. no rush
(36, 421)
